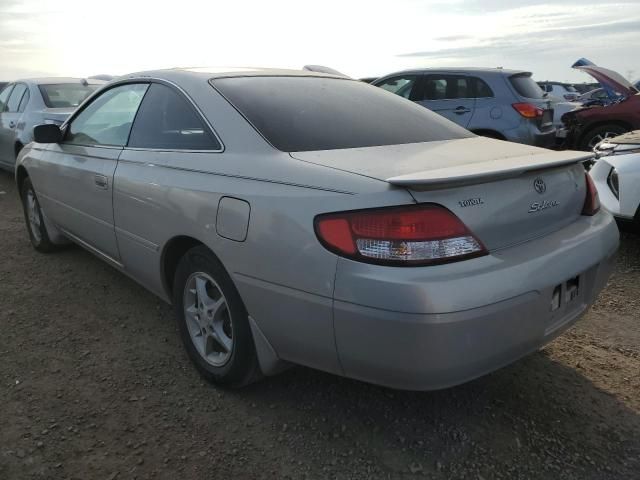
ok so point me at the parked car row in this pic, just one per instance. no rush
(496, 103)
(509, 105)
(298, 217)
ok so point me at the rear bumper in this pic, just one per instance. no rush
(528, 133)
(430, 328)
(545, 139)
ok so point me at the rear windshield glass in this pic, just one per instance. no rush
(525, 86)
(65, 95)
(297, 114)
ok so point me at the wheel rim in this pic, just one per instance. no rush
(601, 136)
(208, 319)
(33, 212)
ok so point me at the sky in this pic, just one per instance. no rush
(358, 38)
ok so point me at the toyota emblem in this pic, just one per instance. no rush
(539, 185)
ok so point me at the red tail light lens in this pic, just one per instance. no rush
(415, 235)
(592, 201)
(528, 110)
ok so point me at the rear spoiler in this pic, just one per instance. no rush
(490, 170)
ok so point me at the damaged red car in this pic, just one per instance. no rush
(588, 126)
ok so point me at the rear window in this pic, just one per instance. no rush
(525, 86)
(65, 95)
(297, 114)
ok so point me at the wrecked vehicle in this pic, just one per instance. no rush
(588, 126)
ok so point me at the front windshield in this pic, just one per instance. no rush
(65, 95)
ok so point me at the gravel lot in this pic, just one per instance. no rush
(96, 385)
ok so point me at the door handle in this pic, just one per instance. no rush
(101, 181)
(12, 124)
(460, 110)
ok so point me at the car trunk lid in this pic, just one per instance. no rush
(505, 193)
(59, 115)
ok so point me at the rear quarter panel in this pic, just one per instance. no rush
(495, 113)
(284, 276)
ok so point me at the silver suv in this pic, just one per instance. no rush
(493, 102)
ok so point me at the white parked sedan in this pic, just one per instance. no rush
(617, 175)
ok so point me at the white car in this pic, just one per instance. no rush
(616, 174)
(561, 91)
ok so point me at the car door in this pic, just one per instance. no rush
(484, 111)
(449, 95)
(9, 119)
(79, 170)
(169, 141)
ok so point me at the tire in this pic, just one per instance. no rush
(213, 320)
(592, 137)
(34, 219)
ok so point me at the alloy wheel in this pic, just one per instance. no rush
(33, 213)
(208, 319)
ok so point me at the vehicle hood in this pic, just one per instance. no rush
(625, 144)
(467, 160)
(609, 79)
(629, 138)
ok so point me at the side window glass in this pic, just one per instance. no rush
(25, 101)
(447, 87)
(108, 118)
(482, 90)
(462, 88)
(435, 88)
(166, 120)
(16, 97)
(399, 85)
(4, 97)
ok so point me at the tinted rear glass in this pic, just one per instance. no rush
(65, 95)
(525, 86)
(166, 120)
(297, 114)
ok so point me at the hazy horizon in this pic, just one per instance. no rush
(83, 38)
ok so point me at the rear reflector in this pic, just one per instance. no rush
(416, 235)
(592, 200)
(528, 110)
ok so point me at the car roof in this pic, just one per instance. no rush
(552, 82)
(57, 80)
(209, 73)
(498, 71)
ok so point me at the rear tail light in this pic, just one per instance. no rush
(528, 110)
(614, 183)
(592, 201)
(403, 236)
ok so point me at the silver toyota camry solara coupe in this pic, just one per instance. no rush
(301, 218)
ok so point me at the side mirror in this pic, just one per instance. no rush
(47, 133)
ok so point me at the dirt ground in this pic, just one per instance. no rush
(95, 384)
